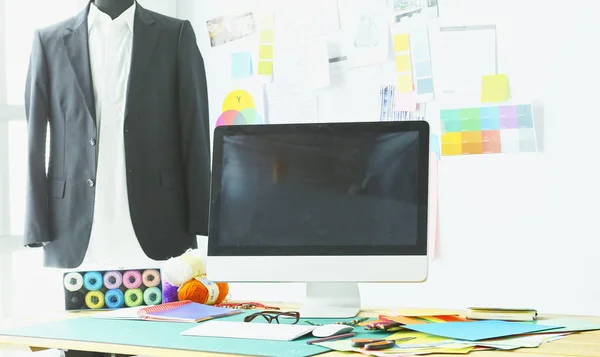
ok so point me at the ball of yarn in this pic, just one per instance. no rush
(194, 290)
(169, 292)
(180, 269)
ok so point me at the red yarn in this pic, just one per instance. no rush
(195, 291)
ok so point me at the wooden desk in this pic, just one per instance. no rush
(584, 344)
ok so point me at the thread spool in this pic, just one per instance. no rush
(114, 299)
(152, 296)
(151, 278)
(113, 279)
(94, 299)
(132, 279)
(203, 291)
(75, 300)
(181, 269)
(73, 281)
(169, 292)
(134, 297)
(92, 280)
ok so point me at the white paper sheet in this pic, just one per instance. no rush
(365, 30)
(465, 55)
(303, 68)
(297, 23)
(287, 107)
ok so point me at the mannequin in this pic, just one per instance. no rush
(113, 8)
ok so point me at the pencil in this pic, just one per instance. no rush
(330, 338)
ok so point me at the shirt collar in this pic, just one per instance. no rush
(97, 17)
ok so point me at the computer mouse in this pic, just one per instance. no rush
(331, 330)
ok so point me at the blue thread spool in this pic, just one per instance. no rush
(92, 280)
(114, 299)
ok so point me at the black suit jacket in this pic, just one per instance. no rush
(166, 131)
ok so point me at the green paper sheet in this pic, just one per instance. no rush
(165, 335)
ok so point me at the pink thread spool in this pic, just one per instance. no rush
(113, 279)
(132, 279)
(151, 278)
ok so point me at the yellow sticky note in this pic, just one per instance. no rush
(267, 20)
(265, 68)
(452, 144)
(495, 88)
(265, 52)
(401, 43)
(403, 63)
(405, 83)
(267, 36)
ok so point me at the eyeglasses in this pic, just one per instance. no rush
(273, 315)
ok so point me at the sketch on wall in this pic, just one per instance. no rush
(224, 29)
(408, 8)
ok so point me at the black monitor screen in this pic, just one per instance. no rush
(320, 189)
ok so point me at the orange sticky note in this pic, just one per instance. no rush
(404, 83)
(265, 68)
(495, 88)
(403, 63)
(401, 43)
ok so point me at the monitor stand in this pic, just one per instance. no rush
(331, 300)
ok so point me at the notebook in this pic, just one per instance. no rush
(249, 330)
(485, 313)
(178, 311)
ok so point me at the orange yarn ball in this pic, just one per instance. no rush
(195, 291)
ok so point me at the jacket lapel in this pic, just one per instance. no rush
(145, 37)
(76, 44)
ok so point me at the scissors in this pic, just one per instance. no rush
(373, 344)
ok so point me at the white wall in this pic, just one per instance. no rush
(514, 229)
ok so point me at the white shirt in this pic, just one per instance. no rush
(113, 243)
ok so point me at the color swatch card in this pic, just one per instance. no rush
(265, 47)
(488, 130)
(419, 41)
(95, 290)
(404, 78)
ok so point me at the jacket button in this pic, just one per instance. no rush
(92, 141)
(90, 182)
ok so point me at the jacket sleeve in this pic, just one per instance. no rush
(195, 135)
(36, 231)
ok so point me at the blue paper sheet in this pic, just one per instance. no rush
(241, 65)
(479, 330)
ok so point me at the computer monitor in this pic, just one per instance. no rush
(332, 205)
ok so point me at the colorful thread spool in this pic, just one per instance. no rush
(75, 300)
(151, 278)
(203, 291)
(152, 296)
(113, 279)
(94, 299)
(169, 292)
(73, 281)
(92, 280)
(132, 279)
(114, 299)
(180, 269)
(134, 297)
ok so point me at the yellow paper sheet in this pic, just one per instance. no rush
(403, 63)
(265, 68)
(405, 83)
(401, 43)
(265, 52)
(267, 36)
(427, 312)
(495, 88)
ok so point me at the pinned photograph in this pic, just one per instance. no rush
(410, 8)
(229, 28)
